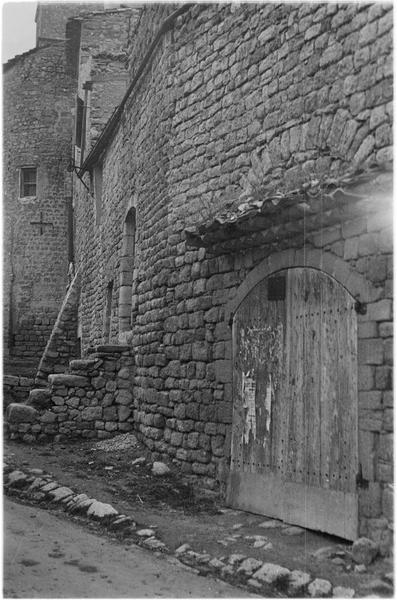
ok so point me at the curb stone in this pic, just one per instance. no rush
(45, 490)
(249, 566)
(238, 569)
(298, 580)
(272, 574)
(320, 588)
(343, 592)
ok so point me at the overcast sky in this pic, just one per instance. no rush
(19, 28)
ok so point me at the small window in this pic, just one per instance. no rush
(127, 271)
(28, 181)
(108, 311)
(79, 122)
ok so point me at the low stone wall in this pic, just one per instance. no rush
(16, 389)
(93, 401)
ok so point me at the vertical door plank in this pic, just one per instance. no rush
(297, 438)
(312, 374)
(335, 374)
(281, 402)
(258, 365)
(348, 437)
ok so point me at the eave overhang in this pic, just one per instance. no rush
(286, 219)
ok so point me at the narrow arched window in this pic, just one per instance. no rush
(108, 312)
(127, 270)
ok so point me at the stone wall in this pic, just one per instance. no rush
(37, 133)
(40, 89)
(16, 389)
(102, 60)
(92, 401)
(51, 18)
(237, 100)
(143, 33)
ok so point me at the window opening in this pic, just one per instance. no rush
(28, 182)
(127, 263)
(108, 310)
(79, 121)
(78, 347)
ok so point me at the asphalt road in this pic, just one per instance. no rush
(46, 556)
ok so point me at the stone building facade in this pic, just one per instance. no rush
(42, 100)
(236, 105)
(38, 100)
(252, 141)
(51, 19)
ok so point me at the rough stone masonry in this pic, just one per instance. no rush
(239, 110)
(307, 88)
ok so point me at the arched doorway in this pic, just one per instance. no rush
(127, 271)
(294, 453)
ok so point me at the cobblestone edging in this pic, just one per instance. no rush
(38, 487)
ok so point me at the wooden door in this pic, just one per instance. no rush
(294, 449)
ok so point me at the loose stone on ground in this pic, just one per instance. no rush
(297, 581)
(319, 588)
(160, 468)
(343, 592)
(271, 573)
(249, 566)
(364, 551)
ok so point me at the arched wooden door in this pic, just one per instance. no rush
(294, 453)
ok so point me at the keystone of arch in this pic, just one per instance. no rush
(355, 283)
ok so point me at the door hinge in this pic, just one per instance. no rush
(360, 307)
(360, 481)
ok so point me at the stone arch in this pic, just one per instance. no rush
(355, 283)
(127, 260)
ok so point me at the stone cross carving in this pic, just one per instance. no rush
(42, 224)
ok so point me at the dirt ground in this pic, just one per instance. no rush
(46, 557)
(182, 514)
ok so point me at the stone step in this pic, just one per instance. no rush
(21, 413)
(108, 349)
(39, 398)
(68, 380)
(79, 365)
(16, 389)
